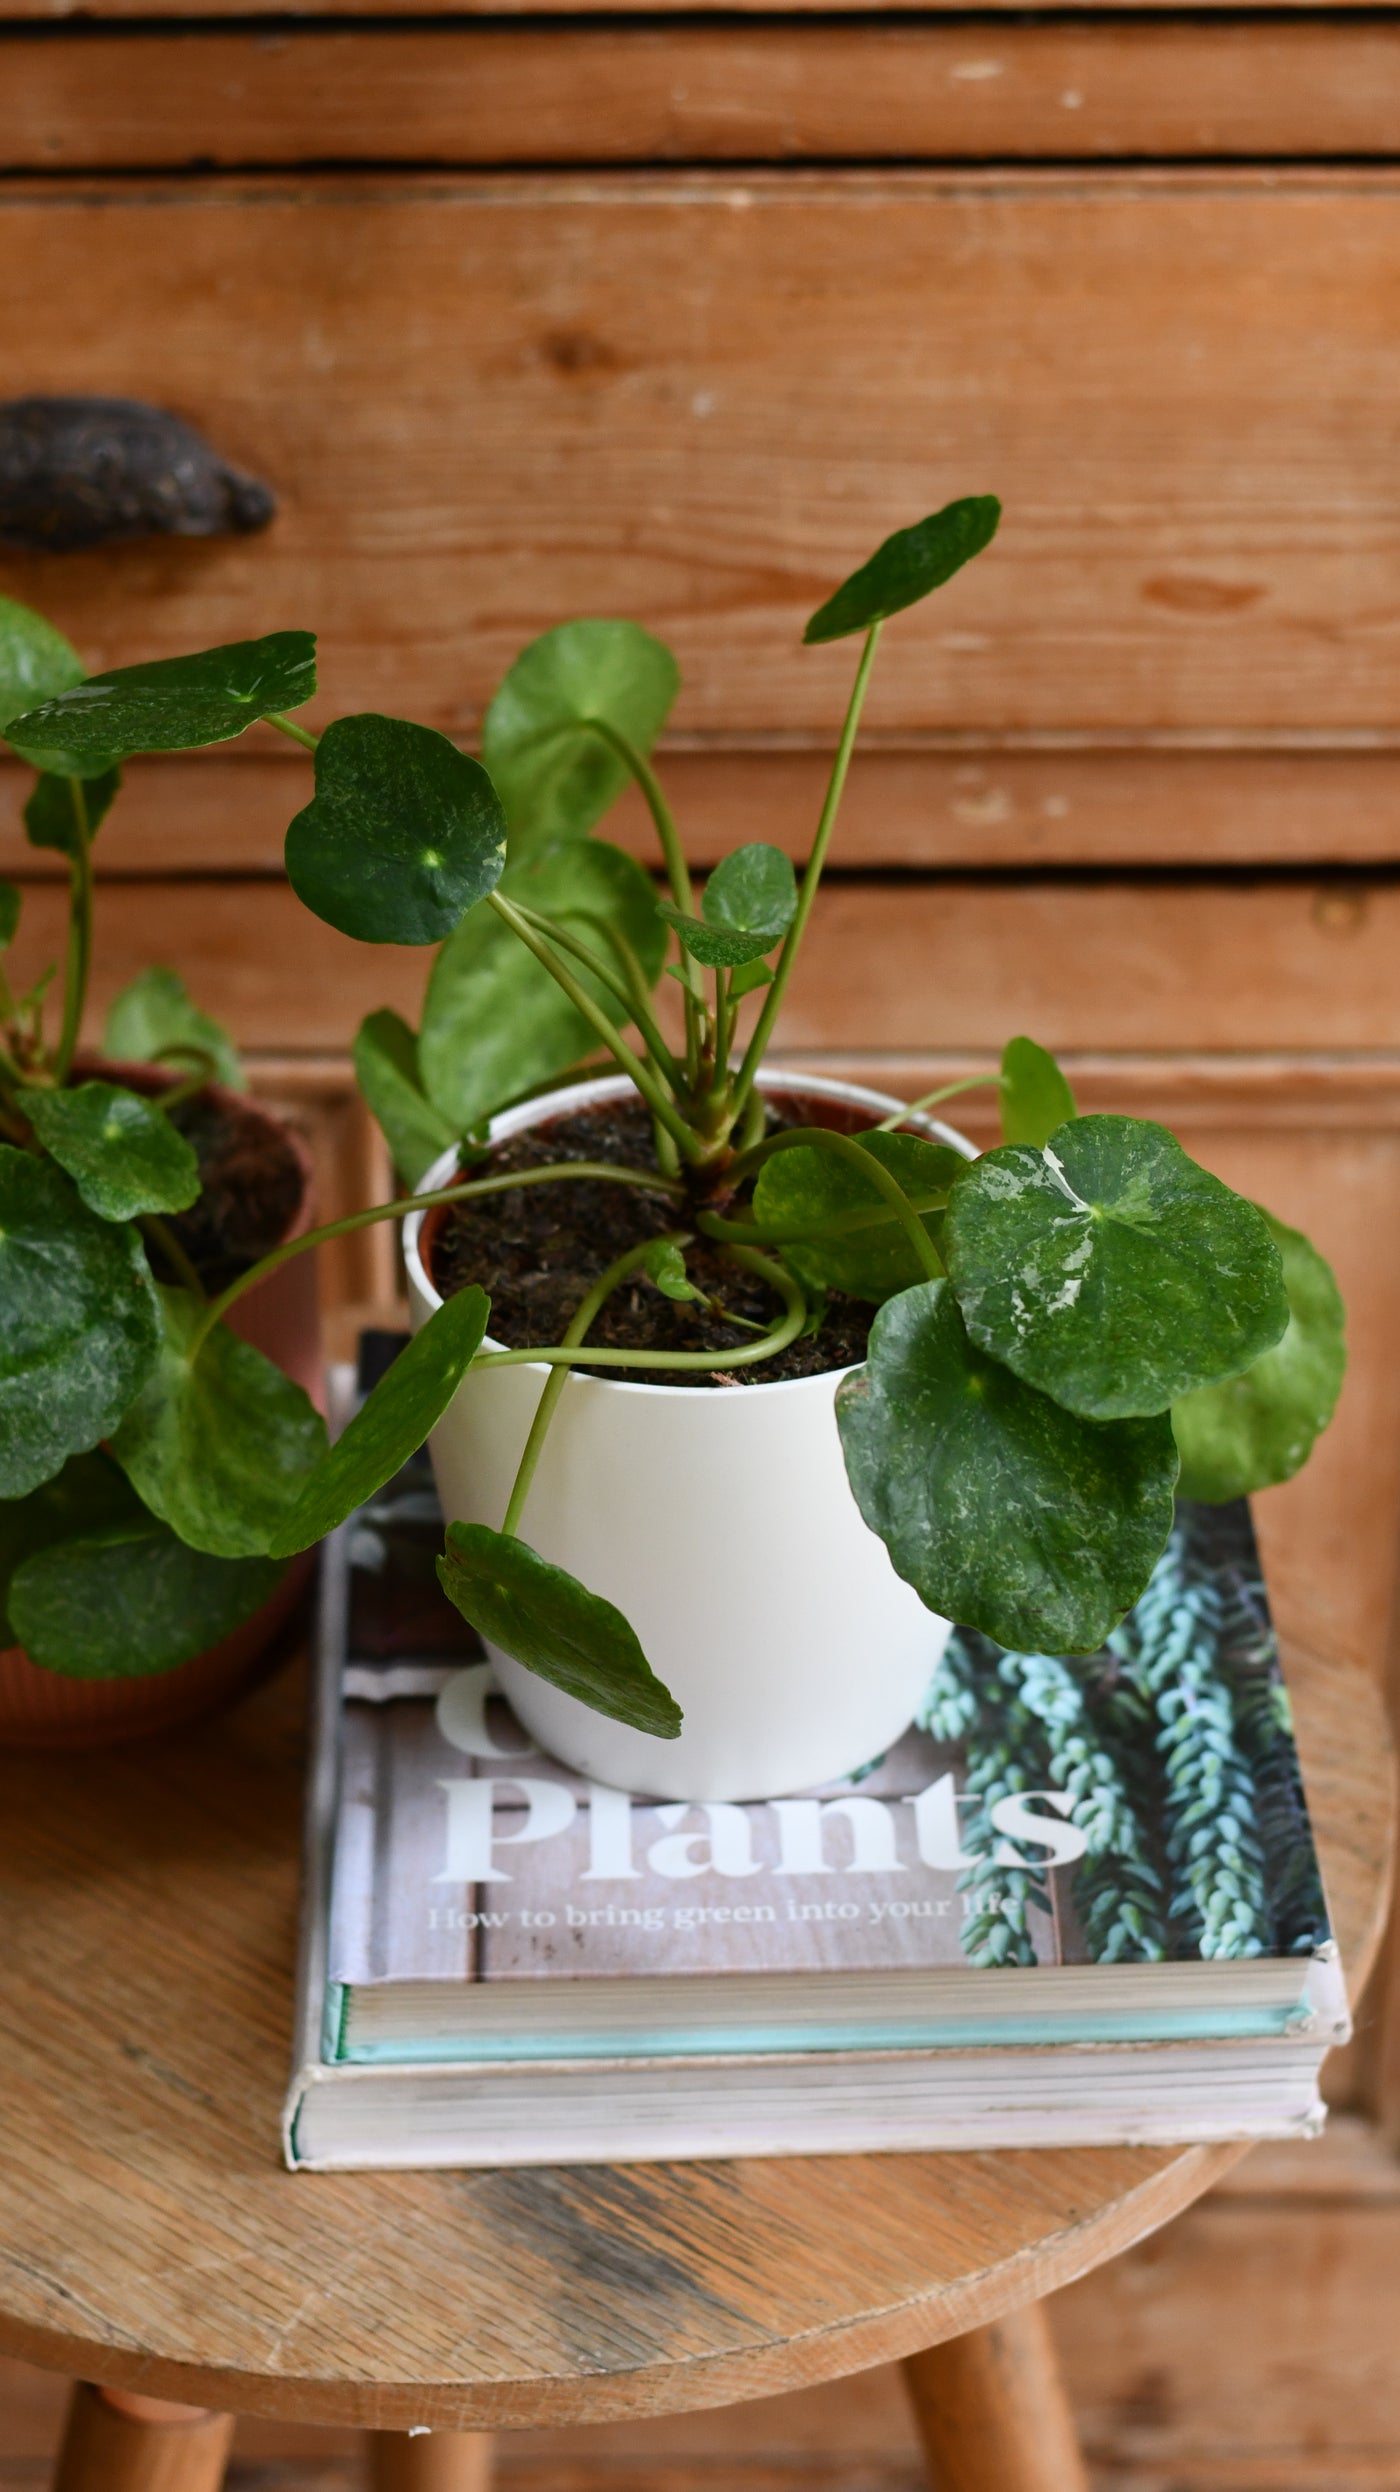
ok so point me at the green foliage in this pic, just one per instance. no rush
(555, 773)
(664, 1264)
(35, 663)
(218, 1443)
(403, 835)
(749, 903)
(1002, 1509)
(123, 1155)
(171, 705)
(908, 566)
(87, 1494)
(547, 1620)
(130, 1599)
(79, 1331)
(1035, 1097)
(51, 814)
(1259, 1428)
(861, 1248)
(386, 1067)
(10, 901)
(1109, 1271)
(391, 1424)
(153, 1021)
(495, 1023)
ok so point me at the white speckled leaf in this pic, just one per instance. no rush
(79, 1327)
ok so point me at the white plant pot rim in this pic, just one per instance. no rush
(579, 1095)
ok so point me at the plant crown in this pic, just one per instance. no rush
(1068, 1328)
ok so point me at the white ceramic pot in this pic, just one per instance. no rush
(722, 1525)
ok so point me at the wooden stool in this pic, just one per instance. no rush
(151, 2243)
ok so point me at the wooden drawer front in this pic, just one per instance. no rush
(488, 403)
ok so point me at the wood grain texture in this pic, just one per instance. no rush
(149, 2239)
(52, 11)
(700, 400)
(977, 808)
(992, 2411)
(618, 94)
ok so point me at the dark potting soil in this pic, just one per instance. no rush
(537, 1250)
(251, 1182)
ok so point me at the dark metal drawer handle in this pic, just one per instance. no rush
(77, 472)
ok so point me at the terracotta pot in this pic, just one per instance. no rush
(40, 1709)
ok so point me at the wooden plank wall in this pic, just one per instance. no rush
(674, 313)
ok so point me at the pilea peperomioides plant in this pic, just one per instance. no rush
(1063, 1325)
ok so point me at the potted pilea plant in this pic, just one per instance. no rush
(145, 1168)
(781, 1377)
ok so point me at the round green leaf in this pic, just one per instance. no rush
(122, 1154)
(907, 567)
(546, 1619)
(88, 1494)
(218, 1446)
(1110, 1271)
(35, 662)
(50, 814)
(403, 835)
(1002, 1510)
(79, 1328)
(664, 1264)
(386, 1067)
(130, 1600)
(554, 773)
(494, 1021)
(749, 903)
(862, 1250)
(172, 705)
(153, 1020)
(1259, 1428)
(391, 1423)
(1035, 1097)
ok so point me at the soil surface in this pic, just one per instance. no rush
(251, 1179)
(537, 1250)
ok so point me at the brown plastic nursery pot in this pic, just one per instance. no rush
(40, 1709)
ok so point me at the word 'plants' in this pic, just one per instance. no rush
(1054, 1320)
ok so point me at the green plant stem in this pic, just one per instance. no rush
(162, 1236)
(635, 1003)
(677, 871)
(772, 1001)
(661, 1105)
(934, 1098)
(558, 1377)
(288, 726)
(556, 1172)
(711, 1361)
(839, 1224)
(817, 1137)
(79, 934)
(724, 1024)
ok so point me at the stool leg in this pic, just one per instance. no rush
(119, 2443)
(992, 2410)
(430, 2461)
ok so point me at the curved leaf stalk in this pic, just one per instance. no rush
(710, 1362)
(935, 1099)
(972, 1702)
(843, 1146)
(772, 1001)
(1171, 1645)
(629, 992)
(79, 962)
(677, 873)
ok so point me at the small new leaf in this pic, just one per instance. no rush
(391, 1424)
(746, 981)
(218, 1446)
(129, 1600)
(551, 1624)
(859, 1245)
(173, 705)
(748, 905)
(1259, 1428)
(555, 774)
(1035, 1097)
(1109, 1271)
(122, 1154)
(908, 566)
(386, 1068)
(1004, 1512)
(495, 1024)
(403, 835)
(153, 1021)
(664, 1264)
(79, 1328)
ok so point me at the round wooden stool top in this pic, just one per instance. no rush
(150, 2239)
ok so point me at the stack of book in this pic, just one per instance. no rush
(1078, 1904)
